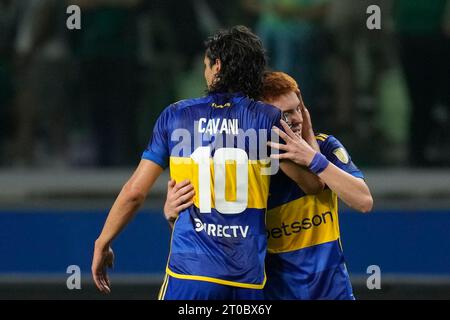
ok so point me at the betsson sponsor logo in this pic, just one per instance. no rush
(295, 227)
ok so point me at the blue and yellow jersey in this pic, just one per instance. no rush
(305, 259)
(218, 143)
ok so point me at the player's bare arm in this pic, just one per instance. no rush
(353, 191)
(305, 179)
(129, 200)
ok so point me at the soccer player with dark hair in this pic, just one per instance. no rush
(305, 258)
(218, 241)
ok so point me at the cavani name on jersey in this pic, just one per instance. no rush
(222, 237)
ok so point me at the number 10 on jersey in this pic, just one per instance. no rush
(202, 157)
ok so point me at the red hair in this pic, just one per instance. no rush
(276, 84)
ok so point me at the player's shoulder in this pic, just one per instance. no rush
(263, 109)
(260, 106)
(192, 102)
(331, 147)
(177, 109)
(328, 142)
(326, 139)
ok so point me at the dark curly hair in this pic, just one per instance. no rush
(243, 61)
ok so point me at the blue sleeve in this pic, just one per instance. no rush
(157, 150)
(335, 152)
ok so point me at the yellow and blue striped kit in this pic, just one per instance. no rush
(305, 259)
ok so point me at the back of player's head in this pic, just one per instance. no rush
(276, 84)
(242, 58)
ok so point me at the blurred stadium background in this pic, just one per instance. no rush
(77, 108)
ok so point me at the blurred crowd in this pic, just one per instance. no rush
(90, 97)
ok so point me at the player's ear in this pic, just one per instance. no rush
(217, 66)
